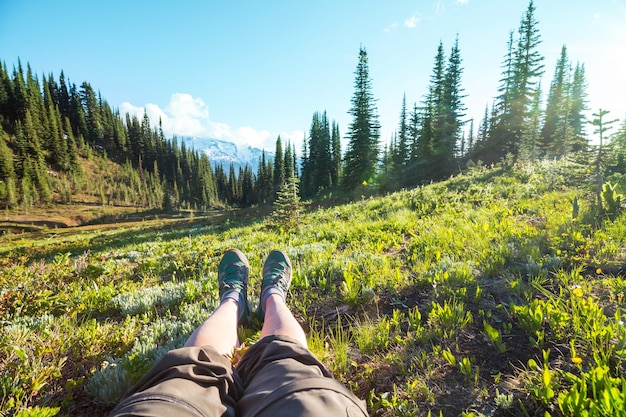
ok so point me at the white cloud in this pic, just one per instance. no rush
(411, 22)
(255, 138)
(391, 27)
(185, 115)
(295, 138)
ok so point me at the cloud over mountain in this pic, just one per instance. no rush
(188, 116)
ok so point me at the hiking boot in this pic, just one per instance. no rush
(276, 279)
(232, 276)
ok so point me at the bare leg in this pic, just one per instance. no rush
(219, 330)
(280, 320)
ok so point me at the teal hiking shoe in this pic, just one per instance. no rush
(232, 276)
(276, 279)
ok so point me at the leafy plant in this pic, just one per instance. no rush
(448, 319)
(611, 199)
(494, 336)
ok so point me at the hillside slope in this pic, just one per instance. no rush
(494, 293)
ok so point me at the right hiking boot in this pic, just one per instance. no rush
(232, 277)
(276, 279)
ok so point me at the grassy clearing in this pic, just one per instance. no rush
(487, 294)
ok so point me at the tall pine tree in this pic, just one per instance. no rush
(361, 156)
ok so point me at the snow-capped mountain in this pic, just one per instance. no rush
(225, 153)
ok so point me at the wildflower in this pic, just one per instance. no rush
(576, 360)
(598, 271)
(577, 291)
(364, 182)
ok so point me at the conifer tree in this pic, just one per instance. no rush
(18, 98)
(93, 117)
(523, 68)
(248, 193)
(361, 156)
(5, 91)
(452, 111)
(278, 177)
(7, 173)
(555, 105)
(578, 102)
(400, 153)
(288, 207)
(413, 164)
(319, 160)
(264, 181)
(335, 169)
(288, 160)
(306, 186)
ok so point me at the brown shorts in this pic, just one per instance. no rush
(276, 377)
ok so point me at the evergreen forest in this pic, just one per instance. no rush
(56, 134)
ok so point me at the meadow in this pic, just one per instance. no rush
(499, 292)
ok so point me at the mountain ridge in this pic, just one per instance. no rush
(225, 152)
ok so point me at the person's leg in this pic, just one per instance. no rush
(280, 321)
(276, 316)
(220, 329)
(198, 379)
(281, 376)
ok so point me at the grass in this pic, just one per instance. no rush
(486, 294)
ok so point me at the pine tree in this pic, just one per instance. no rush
(335, 168)
(306, 185)
(93, 116)
(452, 111)
(361, 155)
(578, 102)
(288, 207)
(413, 164)
(288, 160)
(247, 187)
(5, 91)
(319, 160)
(279, 167)
(18, 98)
(400, 154)
(555, 104)
(527, 69)
(7, 173)
(532, 135)
(264, 181)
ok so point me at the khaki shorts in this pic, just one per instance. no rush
(276, 377)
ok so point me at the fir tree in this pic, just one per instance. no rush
(522, 80)
(289, 162)
(288, 207)
(278, 177)
(361, 156)
(319, 159)
(335, 168)
(400, 154)
(7, 173)
(578, 103)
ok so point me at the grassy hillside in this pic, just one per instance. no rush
(493, 293)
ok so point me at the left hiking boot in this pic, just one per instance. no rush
(232, 276)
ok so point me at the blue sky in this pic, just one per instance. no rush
(248, 71)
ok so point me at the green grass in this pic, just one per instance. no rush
(487, 294)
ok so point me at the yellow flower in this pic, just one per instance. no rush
(364, 182)
(599, 271)
(578, 292)
(576, 360)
